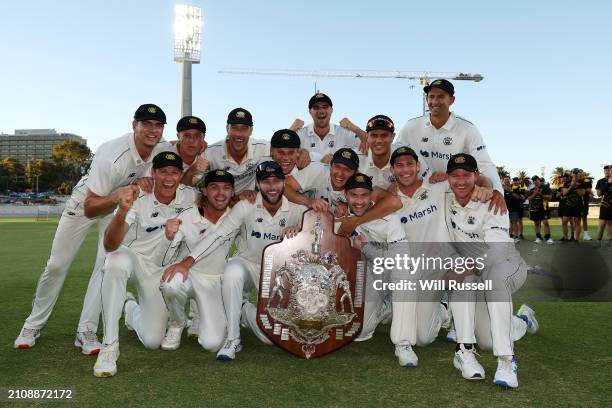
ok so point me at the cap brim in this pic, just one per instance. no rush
(240, 122)
(267, 175)
(156, 118)
(429, 87)
(464, 167)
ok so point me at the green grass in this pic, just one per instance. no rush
(569, 362)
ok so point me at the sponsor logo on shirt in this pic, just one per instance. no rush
(479, 148)
(440, 155)
(266, 235)
(155, 214)
(447, 141)
(417, 215)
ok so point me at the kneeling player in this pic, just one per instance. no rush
(203, 283)
(381, 238)
(130, 240)
(480, 234)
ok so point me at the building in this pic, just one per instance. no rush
(26, 144)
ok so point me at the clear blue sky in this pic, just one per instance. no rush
(84, 67)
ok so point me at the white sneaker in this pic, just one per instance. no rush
(172, 339)
(406, 356)
(550, 241)
(130, 302)
(465, 361)
(106, 364)
(505, 376)
(194, 327)
(526, 313)
(586, 236)
(27, 338)
(537, 240)
(88, 342)
(451, 336)
(229, 350)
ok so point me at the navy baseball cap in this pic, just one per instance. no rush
(269, 169)
(165, 159)
(149, 111)
(191, 122)
(319, 97)
(462, 161)
(442, 84)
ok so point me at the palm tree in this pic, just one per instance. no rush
(502, 172)
(557, 177)
(523, 177)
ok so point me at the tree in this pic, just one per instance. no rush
(522, 177)
(557, 177)
(502, 172)
(72, 159)
(33, 170)
(12, 167)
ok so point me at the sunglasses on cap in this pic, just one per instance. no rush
(268, 166)
(374, 123)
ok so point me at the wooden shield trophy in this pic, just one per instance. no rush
(311, 289)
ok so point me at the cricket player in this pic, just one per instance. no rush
(376, 164)
(203, 283)
(285, 150)
(381, 238)
(191, 131)
(116, 165)
(255, 225)
(130, 240)
(423, 219)
(439, 134)
(480, 234)
(322, 138)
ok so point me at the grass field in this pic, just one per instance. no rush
(568, 363)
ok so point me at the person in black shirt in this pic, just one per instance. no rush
(574, 192)
(566, 180)
(604, 191)
(538, 208)
(519, 194)
(511, 203)
(588, 186)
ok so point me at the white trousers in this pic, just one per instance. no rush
(487, 317)
(206, 290)
(239, 277)
(149, 316)
(70, 234)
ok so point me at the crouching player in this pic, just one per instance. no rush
(203, 282)
(254, 225)
(380, 238)
(480, 234)
(130, 240)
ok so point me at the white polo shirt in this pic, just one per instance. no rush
(115, 164)
(337, 138)
(422, 215)
(381, 177)
(193, 229)
(436, 146)
(253, 227)
(475, 223)
(244, 173)
(315, 177)
(147, 219)
(383, 230)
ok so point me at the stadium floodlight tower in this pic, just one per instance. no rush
(187, 46)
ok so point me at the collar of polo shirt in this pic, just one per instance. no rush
(249, 155)
(370, 161)
(134, 152)
(283, 208)
(450, 123)
(332, 130)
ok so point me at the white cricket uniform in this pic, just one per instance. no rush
(204, 281)
(244, 173)
(385, 236)
(136, 260)
(254, 229)
(337, 138)
(115, 164)
(436, 146)
(423, 219)
(477, 232)
(316, 178)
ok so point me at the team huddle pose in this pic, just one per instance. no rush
(187, 224)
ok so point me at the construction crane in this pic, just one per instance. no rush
(423, 78)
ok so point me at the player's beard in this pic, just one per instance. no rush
(265, 197)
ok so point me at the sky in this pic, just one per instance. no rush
(84, 68)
